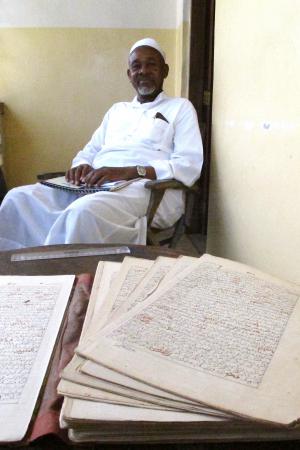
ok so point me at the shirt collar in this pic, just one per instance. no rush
(148, 105)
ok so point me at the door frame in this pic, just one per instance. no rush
(200, 94)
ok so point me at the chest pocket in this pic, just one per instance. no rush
(159, 133)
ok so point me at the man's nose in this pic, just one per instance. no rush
(143, 69)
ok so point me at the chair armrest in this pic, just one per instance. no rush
(170, 183)
(47, 175)
(158, 188)
(167, 183)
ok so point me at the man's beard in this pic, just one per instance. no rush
(146, 90)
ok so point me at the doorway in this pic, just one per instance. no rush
(200, 94)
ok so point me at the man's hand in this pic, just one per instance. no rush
(77, 175)
(96, 177)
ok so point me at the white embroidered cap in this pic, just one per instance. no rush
(149, 42)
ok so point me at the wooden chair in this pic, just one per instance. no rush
(156, 236)
(168, 236)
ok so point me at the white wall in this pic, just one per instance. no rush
(62, 65)
(90, 13)
(254, 211)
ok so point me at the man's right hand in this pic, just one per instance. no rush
(76, 175)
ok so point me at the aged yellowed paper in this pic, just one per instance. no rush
(31, 312)
(231, 332)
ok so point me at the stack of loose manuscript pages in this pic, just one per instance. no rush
(185, 349)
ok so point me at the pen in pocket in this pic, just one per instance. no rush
(159, 115)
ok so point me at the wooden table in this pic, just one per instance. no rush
(89, 264)
(86, 264)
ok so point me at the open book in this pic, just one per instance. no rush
(62, 183)
(40, 323)
(189, 347)
(32, 309)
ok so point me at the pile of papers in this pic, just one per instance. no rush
(183, 349)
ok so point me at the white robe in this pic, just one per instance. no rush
(129, 135)
(51, 216)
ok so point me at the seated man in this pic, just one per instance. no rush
(152, 137)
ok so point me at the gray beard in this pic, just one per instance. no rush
(146, 90)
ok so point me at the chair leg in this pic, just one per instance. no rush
(179, 231)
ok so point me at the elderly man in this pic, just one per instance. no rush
(152, 137)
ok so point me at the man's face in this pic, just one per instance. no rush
(147, 71)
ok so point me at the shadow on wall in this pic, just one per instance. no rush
(21, 153)
(16, 140)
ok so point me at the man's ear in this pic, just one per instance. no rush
(165, 70)
(128, 74)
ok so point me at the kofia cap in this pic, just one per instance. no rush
(149, 42)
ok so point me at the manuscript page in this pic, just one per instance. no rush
(181, 264)
(132, 271)
(231, 332)
(163, 269)
(105, 379)
(136, 389)
(96, 314)
(100, 389)
(77, 385)
(98, 311)
(147, 285)
(98, 412)
(72, 376)
(92, 388)
(31, 312)
(82, 392)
